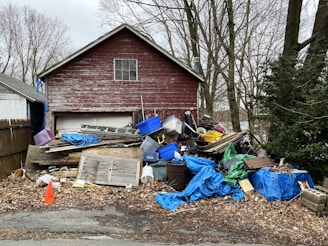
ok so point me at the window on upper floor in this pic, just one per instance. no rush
(125, 69)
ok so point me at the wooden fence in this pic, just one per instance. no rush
(15, 137)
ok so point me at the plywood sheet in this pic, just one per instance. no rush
(258, 162)
(131, 152)
(109, 170)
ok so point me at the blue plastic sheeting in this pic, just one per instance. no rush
(80, 139)
(207, 182)
(278, 186)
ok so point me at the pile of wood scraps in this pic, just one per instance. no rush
(101, 163)
(220, 145)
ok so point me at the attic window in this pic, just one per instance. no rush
(125, 69)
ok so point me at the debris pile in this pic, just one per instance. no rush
(175, 171)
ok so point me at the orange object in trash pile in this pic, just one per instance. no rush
(49, 198)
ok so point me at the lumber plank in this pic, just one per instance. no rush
(220, 145)
(74, 147)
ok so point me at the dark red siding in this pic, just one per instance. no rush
(86, 83)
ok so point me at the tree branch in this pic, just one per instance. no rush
(300, 46)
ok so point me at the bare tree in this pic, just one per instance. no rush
(30, 41)
(223, 34)
(261, 42)
(292, 46)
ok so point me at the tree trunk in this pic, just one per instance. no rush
(320, 32)
(234, 107)
(292, 28)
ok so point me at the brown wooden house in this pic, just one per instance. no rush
(109, 82)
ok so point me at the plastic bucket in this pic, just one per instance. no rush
(160, 170)
(147, 174)
(177, 176)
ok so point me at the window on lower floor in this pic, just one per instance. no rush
(125, 69)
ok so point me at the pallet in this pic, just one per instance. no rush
(258, 162)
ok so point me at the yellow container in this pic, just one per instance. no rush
(211, 136)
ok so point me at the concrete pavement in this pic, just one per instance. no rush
(99, 242)
(79, 222)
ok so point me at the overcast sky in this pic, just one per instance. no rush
(78, 15)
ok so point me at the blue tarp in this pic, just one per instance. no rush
(278, 186)
(80, 139)
(207, 182)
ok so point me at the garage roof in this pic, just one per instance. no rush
(108, 35)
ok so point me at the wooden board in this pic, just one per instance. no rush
(258, 162)
(131, 152)
(36, 155)
(109, 170)
(74, 147)
(220, 145)
(246, 185)
(115, 152)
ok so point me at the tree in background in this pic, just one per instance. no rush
(295, 95)
(231, 39)
(29, 41)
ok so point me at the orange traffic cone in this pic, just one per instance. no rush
(49, 198)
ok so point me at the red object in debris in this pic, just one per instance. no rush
(49, 197)
(219, 128)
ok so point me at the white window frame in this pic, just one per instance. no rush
(127, 69)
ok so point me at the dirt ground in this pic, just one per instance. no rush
(252, 220)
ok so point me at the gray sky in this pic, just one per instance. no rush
(78, 15)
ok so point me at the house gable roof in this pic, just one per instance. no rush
(19, 87)
(108, 35)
